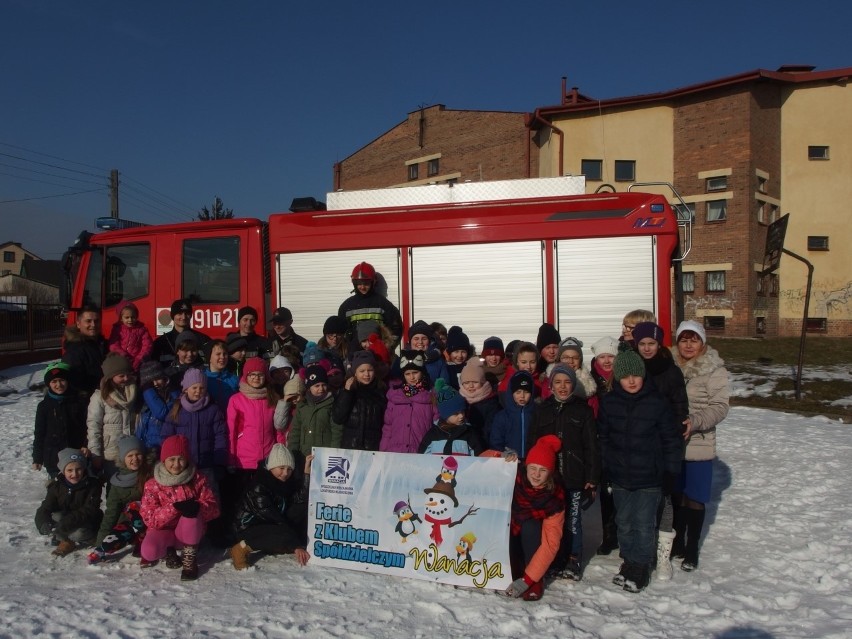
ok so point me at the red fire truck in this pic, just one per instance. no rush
(497, 258)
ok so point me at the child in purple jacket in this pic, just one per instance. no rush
(411, 409)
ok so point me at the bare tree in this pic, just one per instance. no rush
(216, 212)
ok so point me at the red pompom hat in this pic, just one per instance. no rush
(544, 452)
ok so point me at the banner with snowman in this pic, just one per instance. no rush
(434, 517)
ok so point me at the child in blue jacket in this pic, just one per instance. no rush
(511, 425)
(158, 399)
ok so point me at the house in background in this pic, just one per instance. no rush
(13, 258)
(28, 277)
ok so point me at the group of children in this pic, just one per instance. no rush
(227, 440)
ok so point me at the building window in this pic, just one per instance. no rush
(9, 256)
(625, 170)
(714, 322)
(687, 280)
(772, 285)
(761, 213)
(715, 281)
(432, 167)
(760, 289)
(773, 214)
(685, 212)
(817, 242)
(592, 169)
(816, 325)
(761, 184)
(717, 210)
(211, 270)
(717, 183)
(817, 152)
(412, 171)
(760, 325)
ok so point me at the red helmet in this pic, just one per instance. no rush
(364, 271)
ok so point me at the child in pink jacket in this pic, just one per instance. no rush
(130, 337)
(177, 503)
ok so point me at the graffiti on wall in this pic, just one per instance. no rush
(714, 302)
(828, 299)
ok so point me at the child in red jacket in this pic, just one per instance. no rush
(177, 503)
(130, 337)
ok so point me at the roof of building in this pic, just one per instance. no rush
(44, 271)
(786, 74)
(18, 244)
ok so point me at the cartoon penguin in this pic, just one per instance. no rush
(448, 472)
(464, 546)
(405, 526)
(440, 502)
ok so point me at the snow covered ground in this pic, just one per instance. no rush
(776, 563)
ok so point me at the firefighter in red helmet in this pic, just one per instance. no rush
(367, 303)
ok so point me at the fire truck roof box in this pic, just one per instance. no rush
(457, 193)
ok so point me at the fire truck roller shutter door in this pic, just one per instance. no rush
(313, 285)
(599, 280)
(487, 289)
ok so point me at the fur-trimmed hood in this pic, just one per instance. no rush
(703, 364)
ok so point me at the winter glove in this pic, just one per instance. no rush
(518, 587)
(188, 508)
(45, 529)
(668, 485)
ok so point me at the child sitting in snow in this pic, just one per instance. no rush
(272, 514)
(177, 503)
(71, 510)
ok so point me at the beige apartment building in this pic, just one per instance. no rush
(741, 151)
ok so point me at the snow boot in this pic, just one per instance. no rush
(190, 564)
(573, 570)
(240, 555)
(534, 592)
(637, 578)
(172, 559)
(665, 539)
(618, 580)
(694, 524)
(64, 547)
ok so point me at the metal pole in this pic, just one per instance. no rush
(804, 321)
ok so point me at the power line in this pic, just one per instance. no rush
(61, 177)
(44, 197)
(182, 204)
(14, 146)
(146, 208)
(53, 166)
(156, 202)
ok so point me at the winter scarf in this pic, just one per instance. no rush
(534, 503)
(194, 406)
(122, 400)
(124, 478)
(165, 478)
(58, 398)
(474, 397)
(311, 399)
(410, 390)
(253, 393)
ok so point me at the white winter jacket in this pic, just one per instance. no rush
(708, 392)
(109, 419)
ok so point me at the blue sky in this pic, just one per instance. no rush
(255, 101)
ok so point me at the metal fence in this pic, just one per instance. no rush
(25, 326)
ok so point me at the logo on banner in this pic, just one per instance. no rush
(337, 476)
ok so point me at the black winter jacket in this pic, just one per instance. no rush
(361, 412)
(640, 440)
(59, 423)
(668, 379)
(80, 505)
(84, 356)
(270, 501)
(573, 422)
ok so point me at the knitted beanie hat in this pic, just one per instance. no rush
(628, 363)
(193, 376)
(128, 443)
(648, 329)
(57, 370)
(547, 334)
(570, 344)
(236, 342)
(246, 310)
(150, 372)
(493, 346)
(187, 337)
(449, 401)
(544, 452)
(71, 455)
(334, 325)
(691, 325)
(412, 361)
(521, 380)
(280, 456)
(473, 371)
(363, 357)
(279, 361)
(457, 340)
(255, 365)
(564, 369)
(605, 345)
(180, 306)
(294, 386)
(115, 364)
(315, 374)
(421, 328)
(175, 446)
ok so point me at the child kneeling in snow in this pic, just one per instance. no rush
(177, 502)
(272, 514)
(122, 524)
(538, 516)
(71, 510)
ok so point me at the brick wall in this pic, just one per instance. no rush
(480, 145)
